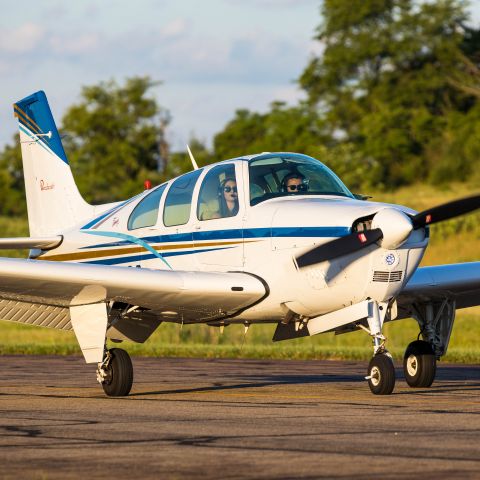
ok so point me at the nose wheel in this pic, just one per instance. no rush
(115, 373)
(381, 374)
(419, 364)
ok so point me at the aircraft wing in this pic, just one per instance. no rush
(459, 282)
(42, 292)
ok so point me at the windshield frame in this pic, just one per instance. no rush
(301, 158)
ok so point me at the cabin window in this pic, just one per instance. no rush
(218, 196)
(145, 214)
(179, 199)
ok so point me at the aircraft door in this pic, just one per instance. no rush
(218, 232)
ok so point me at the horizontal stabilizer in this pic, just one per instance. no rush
(42, 243)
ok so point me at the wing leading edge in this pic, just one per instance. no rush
(459, 282)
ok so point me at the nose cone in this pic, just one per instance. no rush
(395, 226)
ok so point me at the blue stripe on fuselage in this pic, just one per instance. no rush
(285, 232)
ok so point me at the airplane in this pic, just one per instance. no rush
(266, 238)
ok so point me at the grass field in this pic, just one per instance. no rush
(454, 241)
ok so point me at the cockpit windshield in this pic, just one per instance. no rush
(278, 175)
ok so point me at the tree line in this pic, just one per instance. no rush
(393, 99)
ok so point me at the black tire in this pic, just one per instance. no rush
(119, 379)
(419, 364)
(381, 373)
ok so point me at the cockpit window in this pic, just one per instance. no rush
(274, 176)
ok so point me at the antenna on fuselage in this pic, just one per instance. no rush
(194, 163)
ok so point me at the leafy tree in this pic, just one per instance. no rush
(12, 187)
(283, 128)
(115, 138)
(392, 77)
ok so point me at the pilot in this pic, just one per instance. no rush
(293, 183)
(228, 194)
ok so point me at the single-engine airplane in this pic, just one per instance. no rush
(266, 238)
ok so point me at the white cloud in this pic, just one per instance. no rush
(175, 28)
(76, 43)
(22, 39)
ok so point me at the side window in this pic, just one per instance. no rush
(179, 199)
(218, 197)
(145, 214)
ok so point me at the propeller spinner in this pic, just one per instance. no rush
(391, 227)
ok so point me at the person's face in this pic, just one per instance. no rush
(292, 185)
(230, 191)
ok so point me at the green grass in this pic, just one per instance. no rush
(454, 241)
(207, 342)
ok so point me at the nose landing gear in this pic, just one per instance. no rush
(381, 374)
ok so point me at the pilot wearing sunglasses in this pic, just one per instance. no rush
(294, 183)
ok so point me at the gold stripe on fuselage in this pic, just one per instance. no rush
(111, 252)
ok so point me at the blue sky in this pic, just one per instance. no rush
(214, 56)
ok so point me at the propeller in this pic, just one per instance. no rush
(446, 211)
(357, 241)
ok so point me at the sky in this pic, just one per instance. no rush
(212, 56)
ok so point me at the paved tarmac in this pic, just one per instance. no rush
(234, 419)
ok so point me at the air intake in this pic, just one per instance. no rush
(379, 276)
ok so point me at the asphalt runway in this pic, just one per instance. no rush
(234, 419)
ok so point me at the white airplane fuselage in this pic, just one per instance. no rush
(262, 239)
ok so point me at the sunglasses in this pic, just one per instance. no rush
(230, 189)
(301, 188)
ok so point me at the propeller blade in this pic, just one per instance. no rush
(340, 246)
(446, 211)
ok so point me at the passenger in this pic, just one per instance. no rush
(294, 183)
(228, 195)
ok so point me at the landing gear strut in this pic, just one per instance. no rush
(115, 373)
(435, 320)
(419, 364)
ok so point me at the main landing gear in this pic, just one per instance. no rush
(435, 320)
(419, 364)
(115, 373)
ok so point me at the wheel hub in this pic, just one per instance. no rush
(412, 365)
(375, 376)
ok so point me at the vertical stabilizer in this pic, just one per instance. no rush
(53, 200)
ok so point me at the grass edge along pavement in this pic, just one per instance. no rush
(201, 341)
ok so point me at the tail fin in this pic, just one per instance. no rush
(53, 201)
